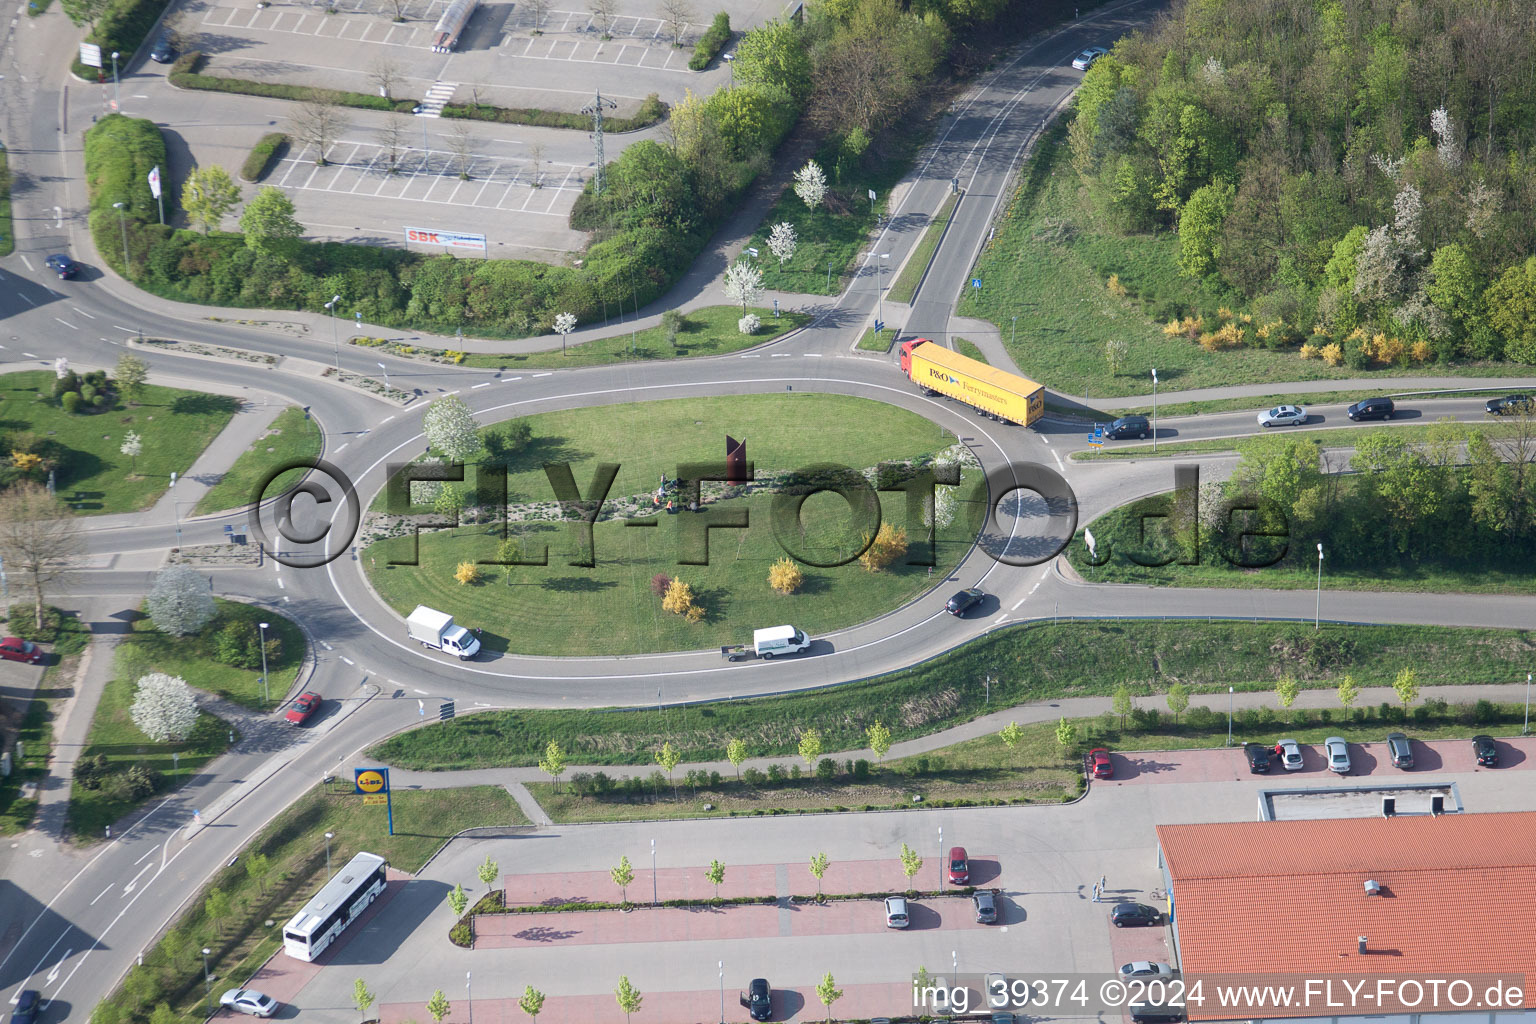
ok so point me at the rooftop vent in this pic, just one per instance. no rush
(1372, 888)
(1388, 806)
(1362, 945)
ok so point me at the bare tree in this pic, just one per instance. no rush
(476, 96)
(538, 9)
(536, 165)
(461, 142)
(398, 6)
(677, 14)
(38, 537)
(316, 122)
(392, 141)
(387, 73)
(603, 12)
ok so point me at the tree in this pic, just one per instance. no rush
(438, 1006)
(1406, 683)
(629, 997)
(163, 1015)
(911, 863)
(879, 740)
(316, 122)
(178, 945)
(889, 544)
(269, 224)
(217, 907)
(180, 601)
(449, 502)
(1010, 734)
(811, 184)
(1066, 734)
(531, 1002)
(810, 746)
(1123, 703)
(164, 708)
(622, 874)
(1200, 228)
(458, 900)
(781, 241)
(461, 142)
(466, 573)
(678, 599)
(715, 874)
(386, 73)
(452, 429)
(819, 865)
(668, 758)
(392, 141)
(828, 992)
(565, 323)
(553, 763)
(130, 376)
(1287, 689)
(775, 56)
(677, 14)
(1511, 304)
(603, 12)
(84, 13)
(258, 866)
(743, 284)
(785, 576)
(1178, 700)
(133, 447)
(537, 9)
(536, 176)
(208, 194)
(940, 511)
(488, 871)
(1114, 354)
(361, 997)
(736, 753)
(39, 536)
(1349, 691)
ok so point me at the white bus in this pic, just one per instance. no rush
(338, 903)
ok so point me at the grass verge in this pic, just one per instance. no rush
(968, 348)
(294, 849)
(905, 285)
(869, 341)
(293, 437)
(1028, 662)
(7, 229)
(174, 426)
(1331, 437)
(194, 658)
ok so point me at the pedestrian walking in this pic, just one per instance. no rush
(1096, 892)
(1102, 883)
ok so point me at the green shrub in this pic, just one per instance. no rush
(826, 769)
(1485, 712)
(285, 91)
(860, 770)
(462, 935)
(753, 777)
(262, 155)
(711, 42)
(122, 27)
(775, 773)
(70, 401)
(652, 110)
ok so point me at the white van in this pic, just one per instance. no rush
(778, 640)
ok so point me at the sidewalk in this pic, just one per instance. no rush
(71, 729)
(1024, 714)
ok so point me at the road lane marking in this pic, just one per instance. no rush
(485, 385)
(66, 323)
(142, 859)
(31, 355)
(103, 893)
(1059, 464)
(386, 419)
(326, 646)
(120, 327)
(509, 380)
(133, 884)
(813, 355)
(348, 660)
(419, 691)
(56, 967)
(780, 355)
(82, 312)
(546, 374)
(27, 262)
(280, 584)
(343, 447)
(27, 298)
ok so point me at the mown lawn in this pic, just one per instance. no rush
(905, 285)
(562, 608)
(146, 649)
(1332, 437)
(293, 437)
(93, 477)
(1027, 663)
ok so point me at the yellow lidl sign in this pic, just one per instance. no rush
(369, 780)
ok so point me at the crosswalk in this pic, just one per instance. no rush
(437, 97)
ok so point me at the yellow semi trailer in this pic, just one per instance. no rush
(998, 392)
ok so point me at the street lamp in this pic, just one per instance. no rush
(328, 837)
(1014, 340)
(1154, 408)
(207, 981)
(730, 62)
(1526, 729)
(720, 964)
(115, 104)
(654, 900)
(332, 307)
(879, 307)
(1230, 699)
(386, 374)
(470, 995)
(265, 690)
(941, 858)
(120, 207)
(1317, 613)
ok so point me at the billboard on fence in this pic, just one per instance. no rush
(447, 239)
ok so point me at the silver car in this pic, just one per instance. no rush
(1289, 753)
(1145, 969)
(1338, 754)
(248, 1000)
(1085, 60)
(1283, 416)
(896, 912)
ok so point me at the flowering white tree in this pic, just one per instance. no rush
(133, 447)
(164, 708)
(61, 367)
(565, 323)
(940, 511)
(743, 284)
(180, 601)
(749, 324)
(781, 241)
(811, 184)
(451, 429)
(1445, 134)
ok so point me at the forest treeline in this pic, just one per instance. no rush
(1346, 168)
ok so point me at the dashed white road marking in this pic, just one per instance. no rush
(103, 893)
(280, 585)
(1027, 596)
(66, 323)
(485, 385)
(386, 419)
(31, 355)
(343, 447)
(348, 660)
(82, 312)
(543, 375)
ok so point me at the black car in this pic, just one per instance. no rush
(26, 1006)
(986, 907)
(62, 265)
(163, 52)
(1371, 409)
(1133, 914)
(1128, 426)
(1510, 405)
(1146, 1014)
(758, 999)
(1487, 751)
(1258, 757)
(964, 601)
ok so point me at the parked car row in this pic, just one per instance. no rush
(898, 913)
(1336, 751)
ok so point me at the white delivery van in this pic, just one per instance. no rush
(435, 629)
(778, 640)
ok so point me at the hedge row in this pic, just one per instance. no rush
(184, 75)
(651, 111)
(255, 166)
(711, 42)
(122, 27)
(119, 154)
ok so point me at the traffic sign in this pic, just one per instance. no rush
(445, 711)
(370, 780)
(1097, 437)
(976, 283)
(90, 55)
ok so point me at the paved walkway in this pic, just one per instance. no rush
(1024, 714)
(70, 730)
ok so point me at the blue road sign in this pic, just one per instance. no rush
(976, 283)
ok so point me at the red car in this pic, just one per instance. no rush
(303, 708)
(14, 648)
(959, 866)
(1099, 758)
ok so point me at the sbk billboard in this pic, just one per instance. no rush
(447, 239)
